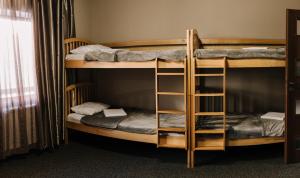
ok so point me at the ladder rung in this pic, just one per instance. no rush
(165, 145)
(209, 113)
(210, 148)
(170, 93)
(209, 75)
(211, 131)
(178, 74)
(171, 129)
(209, 94)
(170, 112)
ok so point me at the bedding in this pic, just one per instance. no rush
(274, 53)
(88, 48)
(145, 122)
(99, 120)
(121, 55)
(136, 121)
(104, 55)
(89, 108)
(75, 56)
(139, 56)
(75, 116)
(273, 127)
(243, 126)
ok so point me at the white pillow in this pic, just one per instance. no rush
(89, 108)
(88, 48)
(75, 116)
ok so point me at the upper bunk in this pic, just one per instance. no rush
(135, 48)
(239, 53)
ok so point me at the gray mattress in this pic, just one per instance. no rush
(135, 56)
(244, 126)
(274, 53)
(136, 121)
(99, 120)
(145, 122)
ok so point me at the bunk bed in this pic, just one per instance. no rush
(219, 56)
(163, 135)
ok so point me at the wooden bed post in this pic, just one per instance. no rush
(292, 125)
(188, 101)
(192, 99)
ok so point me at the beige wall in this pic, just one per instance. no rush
(83, 18)
(119, 20)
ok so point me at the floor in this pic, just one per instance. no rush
(92, 156)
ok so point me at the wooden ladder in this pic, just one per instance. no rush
(158, 93)
(200, 138)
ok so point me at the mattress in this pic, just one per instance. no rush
(268, 53)
(136, 121)
(99, 120)
(116, 55)
(243, 126)
(145, 122)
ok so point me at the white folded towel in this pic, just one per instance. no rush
(114, 112)
(273, 115)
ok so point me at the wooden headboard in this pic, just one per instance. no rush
(196, 42)
(72, 43)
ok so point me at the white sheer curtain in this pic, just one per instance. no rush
(18, 94)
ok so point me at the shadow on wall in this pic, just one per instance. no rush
(248, 90)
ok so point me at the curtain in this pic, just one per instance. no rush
(31, 73)
(69, 19)
(18, 94)
(69, 32)
(51, 23)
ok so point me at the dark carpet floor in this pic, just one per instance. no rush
(92, 156)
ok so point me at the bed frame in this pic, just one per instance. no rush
(78, 93)
(201, 143)
(73, 43)
(196, 43)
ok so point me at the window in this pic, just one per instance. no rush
(17, 63)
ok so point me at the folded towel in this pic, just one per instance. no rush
(114, 112)
(273, 115)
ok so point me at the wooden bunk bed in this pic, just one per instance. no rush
(76, 94)
(197, 139)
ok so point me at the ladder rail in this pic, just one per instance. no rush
(224, 100)
(156, 101)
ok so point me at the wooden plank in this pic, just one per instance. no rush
(210, 148)
(111, 133)
(172, 141)
(209, 75)
(241, 41)
(171, 74)
(114, 65)
(209, 94)
(241, 63)
(171, 129)
(210, 131)
(254, 141)
(171, 93)
(157, 116)
(137, 43)
(209, 113)
(209, 142)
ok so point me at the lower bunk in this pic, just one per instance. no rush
(241, 130)
(138, 125)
